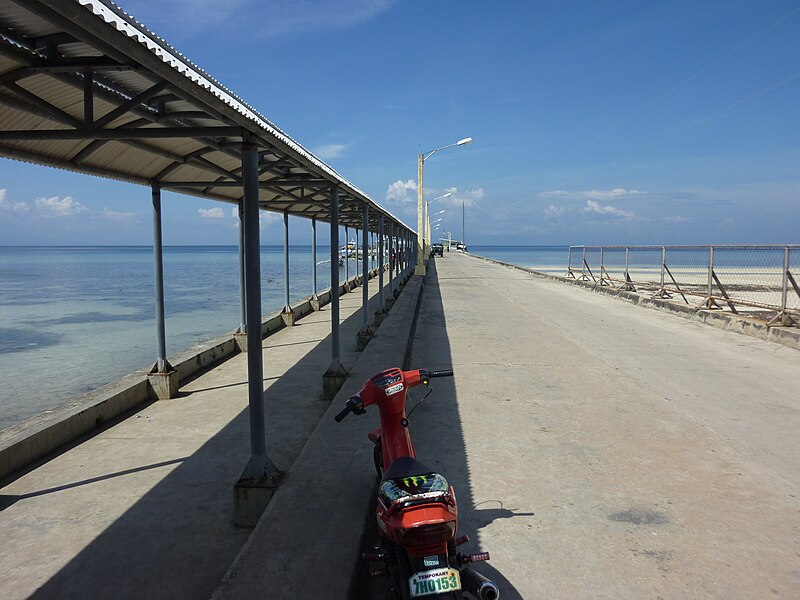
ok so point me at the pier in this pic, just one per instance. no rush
(598, 448)
(589, 459)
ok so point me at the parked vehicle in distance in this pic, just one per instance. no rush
(461, 246)
(437, 249)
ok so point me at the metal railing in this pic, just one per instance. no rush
(760, 281)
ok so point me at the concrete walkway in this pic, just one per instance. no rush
(602, 450)
(144, 509)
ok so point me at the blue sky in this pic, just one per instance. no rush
(594, 122)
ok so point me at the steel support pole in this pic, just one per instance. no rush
(365, 267)
(260, 466)
(392, 258)
(335, 350)
(286, 306)
(334, 377)
(380, 264)
(314, 256)
(346, 256)
(242, 292)
(158, 280)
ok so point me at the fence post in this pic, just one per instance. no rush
(710, 274)
(602, 264)
(663, 264)
(627, 276)
(785, 282)
(583, 266)
(569, 262)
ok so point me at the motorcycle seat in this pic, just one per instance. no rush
(405, 466)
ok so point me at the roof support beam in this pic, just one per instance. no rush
(126, 107)
(118, 134)
(43, 104)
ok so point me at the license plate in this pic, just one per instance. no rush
(435, 581)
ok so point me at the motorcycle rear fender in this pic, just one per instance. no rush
(375, 435)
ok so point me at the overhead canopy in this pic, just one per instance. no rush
(84, 87)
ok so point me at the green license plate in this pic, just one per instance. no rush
(435, 581)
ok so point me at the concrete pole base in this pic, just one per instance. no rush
(240, 338)
(419, 270)
(288, 316)
(250, 499)
(387, 306)
(363, 337)
(333, 379)
(380, 315)
(163, 385)
(315, 303)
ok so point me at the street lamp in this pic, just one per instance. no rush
(426, 219)
(420, 268)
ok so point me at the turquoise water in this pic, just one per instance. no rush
(75, 318)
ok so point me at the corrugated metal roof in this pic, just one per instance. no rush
(85, 87)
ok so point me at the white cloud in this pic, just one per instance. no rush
(469, 197)
(266, 217)
(60, 207)
(594, 194)
(117, 216)
(402, 192)
(8, 205)
(595, 207)
(329, 151)
(211, 213)
(554, 211)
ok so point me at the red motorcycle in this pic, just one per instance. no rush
(416, 509)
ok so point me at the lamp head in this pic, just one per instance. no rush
(464, 141)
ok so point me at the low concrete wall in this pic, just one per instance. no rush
(335, 476)
(35, 438)
(786, 336)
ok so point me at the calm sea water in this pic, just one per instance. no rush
(75, 318)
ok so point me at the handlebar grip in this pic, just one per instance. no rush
(345, 411)
(442, 373)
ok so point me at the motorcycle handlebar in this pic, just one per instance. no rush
(443, 373)
(345, 411)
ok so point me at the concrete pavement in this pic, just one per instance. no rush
(144, 508)
(600, 450)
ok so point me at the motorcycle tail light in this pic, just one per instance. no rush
(424, 535)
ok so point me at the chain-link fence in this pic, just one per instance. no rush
(759, 281)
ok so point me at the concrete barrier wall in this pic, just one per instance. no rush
(786, 336)
(35, 438)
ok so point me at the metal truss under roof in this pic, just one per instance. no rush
(86, 88)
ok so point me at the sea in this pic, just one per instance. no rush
(73, 319)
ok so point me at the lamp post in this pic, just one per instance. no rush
(420, 268)
(427, 219)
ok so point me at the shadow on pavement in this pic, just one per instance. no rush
(178, 540)
(438, 436)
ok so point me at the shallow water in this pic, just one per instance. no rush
(75, 318)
